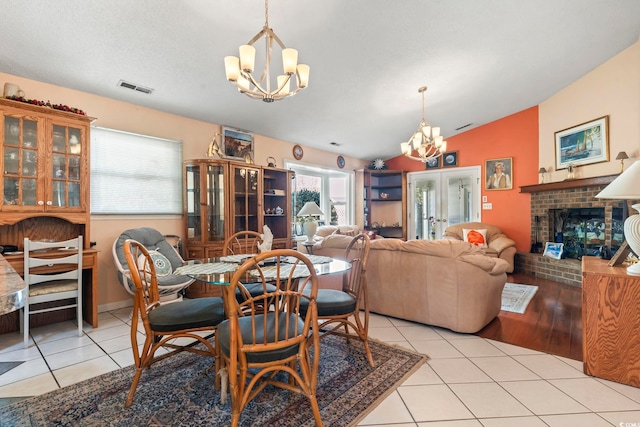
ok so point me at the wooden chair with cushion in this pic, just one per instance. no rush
(338, 309)
(65, 284)
(258, 342)
(164, 323)
(244, 243)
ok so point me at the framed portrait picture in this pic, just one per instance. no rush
(553, 250)
(498, 174)
(237, 144)
(433, 163)
(583, 144)
(449, 159)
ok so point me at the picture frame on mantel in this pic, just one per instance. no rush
(237, 144)
(583, 144)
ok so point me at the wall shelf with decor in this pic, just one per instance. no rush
(385, 202)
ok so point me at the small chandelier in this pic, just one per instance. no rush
(427, 141)
(239, 70)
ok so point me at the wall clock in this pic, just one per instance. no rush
(340, 162)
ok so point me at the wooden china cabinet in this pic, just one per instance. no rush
(45, 187)
(223, 197)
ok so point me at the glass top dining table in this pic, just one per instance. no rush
(219, 270)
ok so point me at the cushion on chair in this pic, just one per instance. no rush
(186, 314)
(254, 289)
(53, 287)
(475, 237)
(162, 264)
(331, 302)
(224, 330)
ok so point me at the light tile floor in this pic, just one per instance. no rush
(468, 381)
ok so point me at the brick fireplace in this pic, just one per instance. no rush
(570, 194)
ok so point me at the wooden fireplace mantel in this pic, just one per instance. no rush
(569, 183)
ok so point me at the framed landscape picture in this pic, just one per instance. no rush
(433, 163)
(237, 144)
(583, 144)
(498, 174)
(553, 250)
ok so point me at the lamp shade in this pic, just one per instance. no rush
(624, 187)
(622, 155)
(310, 209)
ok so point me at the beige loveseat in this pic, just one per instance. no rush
(442, 283)
(498, 244)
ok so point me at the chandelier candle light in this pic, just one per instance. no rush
(427, 140)
(625, 187)
(310, 210)
(239, 70)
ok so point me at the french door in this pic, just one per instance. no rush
(438, 199)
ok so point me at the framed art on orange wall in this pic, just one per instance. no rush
(498, 174)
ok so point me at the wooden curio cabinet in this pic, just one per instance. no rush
(45, 173)
(223, 197)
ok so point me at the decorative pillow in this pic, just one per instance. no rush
(475, 237)
(372, 234)
(351, 233)
(162, 264)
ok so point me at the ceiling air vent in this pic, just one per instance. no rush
(135, 87)
(464, 126)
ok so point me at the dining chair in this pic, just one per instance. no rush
(65, 258)
(338, 309)
(163, 323)
(239, 243)
(260, 340)
(242, 242)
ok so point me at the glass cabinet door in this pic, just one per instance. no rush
(192, 202)
(245, 199)
(215, 203)
(205, 189)
(65, 172)
(20, 157)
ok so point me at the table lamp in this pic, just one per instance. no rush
(626, 187)
(310, 209)
(542, 171)
(622, 156)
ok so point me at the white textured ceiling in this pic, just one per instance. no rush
(481, 59)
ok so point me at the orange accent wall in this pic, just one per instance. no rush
(514, 136)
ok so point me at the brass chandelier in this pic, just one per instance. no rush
(239, 70)
(426, 141)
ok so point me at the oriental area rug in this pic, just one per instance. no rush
(516, 298)
(179, 391)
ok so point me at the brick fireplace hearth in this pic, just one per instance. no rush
(578, 193)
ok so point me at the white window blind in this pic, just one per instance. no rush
(134, 174)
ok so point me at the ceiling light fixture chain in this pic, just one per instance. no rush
(426, 141)
(239, 69)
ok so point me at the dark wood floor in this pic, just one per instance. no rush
(552, 322)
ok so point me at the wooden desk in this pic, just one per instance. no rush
(10, 322)
(610, 322)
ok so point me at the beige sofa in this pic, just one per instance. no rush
(442, 283)
(499, 245)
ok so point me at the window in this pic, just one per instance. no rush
(134, 174)
(331, 188)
